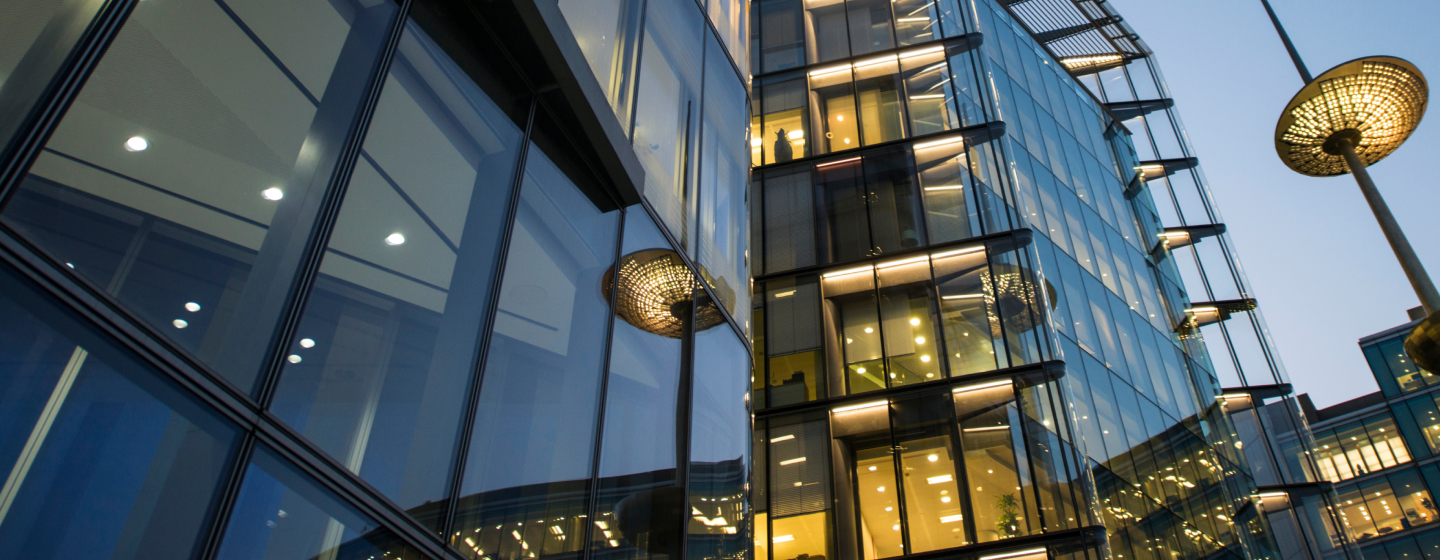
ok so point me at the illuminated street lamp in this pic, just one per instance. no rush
(1347, 119)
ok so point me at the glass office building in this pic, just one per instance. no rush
(363, 279)
(1378, 451)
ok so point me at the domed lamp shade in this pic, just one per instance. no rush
(655, 293)
(1375, 103)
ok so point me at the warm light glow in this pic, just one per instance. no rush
(933, 457)
(1381, 98)
(982, 386)
(913, 260)
(940, 479)
(945, 188)
(925, 358)
(847, 272)
(784, 538)
(938, 143)
(919, 340)
(1014, 554)
(785, 437)
(915, 321)
(860, 406)
(950, 518)
(793, 461)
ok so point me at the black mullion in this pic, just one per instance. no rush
(47, 111)
(899, 466)
(329, 211)
(683, 410)
(586, 553)
(634, 93)
(962, 473)
(467, 419)
(225, 503)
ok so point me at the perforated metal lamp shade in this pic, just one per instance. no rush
(655, 291)
(1373, 102)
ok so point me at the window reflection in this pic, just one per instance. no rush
(945, 184)
(878, 87)
(967, 311)
(826, 37)
(608, 32)
(200, 197)
(542, 376)
(667, 111)
(928, 94)
(384, 352)
(870, 28)
(103, 457)
(719, 446)
(782, 34)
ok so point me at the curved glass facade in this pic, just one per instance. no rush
(344, 280)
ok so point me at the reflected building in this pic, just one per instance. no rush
(363, 279)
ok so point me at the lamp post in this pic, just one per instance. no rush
(1347, 119)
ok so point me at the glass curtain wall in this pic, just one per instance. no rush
(327, 280)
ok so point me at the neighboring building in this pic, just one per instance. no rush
(1380, 451)
(333, 279)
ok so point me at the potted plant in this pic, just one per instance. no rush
(1008, 523)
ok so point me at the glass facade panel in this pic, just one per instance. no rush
(793, 342)
(542, 373)
(36, 38)
(103, 458)
(667, 110)
(724, 240)
(281, 514)
(992, 442)
(204, 199)
(719, 448)
(786, 119)
(378, 370)
(878, 89)
(832, 110)
(928, 90)
(608, 32)
(638, 453)
(934, 505)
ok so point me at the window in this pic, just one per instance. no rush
(786, 119)
(928, 91)
(608, 32)
(795, 359)
(782, 34)
(667, 111)
(34, 43)
(832, 109)
(103, 457)
(878, 88)
(193, 208)
(1359, 448)
(798, 459)
(1394, 371)
(281, 513)
(542, 372)
(724, 240)
(719, 447)
(378, 369)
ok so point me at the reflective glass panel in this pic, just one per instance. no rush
(894, 210)
(724, 239)
(782, 34)
(934, 505)
(801, 537)
(869, 26)
(968, 314)
(185, 178)
(945, 187)
(862, 433)
(878, 87)
(719, 446)
(793, 340)
(379, 367)
(638, 453)
(281, 513)
(993, 445)
(667, 110)
(907, 321)
(916, 21)
(542, 375)
(101, 457)
(608, 32)
(852, 313)
(36, 37)
(789, 231)
(842, 208)
(826, 36)
(928, 91)
(787, 120)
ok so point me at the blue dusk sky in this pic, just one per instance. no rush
(1316, 260)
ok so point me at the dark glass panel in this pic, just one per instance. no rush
(724, 235)
(917, 21)
(789, 232)
(929, 96)
(799, 463)
(935, 508)
(185, 178)
(639, 496)
(719, 446)
(379, 367)
(667, 111)
(281, 513)
(844, 229)
(102, 457)
(894, 210)
(826, 35)
(542, 375)
(794, 335)
(782, 34)
(870, 27)
(970, 101)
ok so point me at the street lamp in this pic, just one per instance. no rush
(1347, 119)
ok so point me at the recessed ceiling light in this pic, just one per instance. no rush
(307, 343)
(192, 307)
(933, 457)
(294, 358)
(273, 193)
(395, 239)
(180, 323)
(136, 144)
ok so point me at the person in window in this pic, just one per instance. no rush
(783, 150)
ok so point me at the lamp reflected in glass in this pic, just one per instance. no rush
(655, 293)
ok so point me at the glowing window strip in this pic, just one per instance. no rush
(785, 294)
(1272, 495)
(1014, 554)
(874, 61)
(940, 479)
(784, 538)
(792, 461)
(828, 71)
(837, 162)
(984, 386)
(951, 518)
(964, 251)
(783, 438)
(860, 406)
(847, 272)
(919, 52)
(987, 429)
(964, 296)
(921, 258)
(941, 142)
(945, 188)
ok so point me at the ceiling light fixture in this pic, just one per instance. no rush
(136, 144)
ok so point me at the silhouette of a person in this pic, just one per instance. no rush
(783, 151)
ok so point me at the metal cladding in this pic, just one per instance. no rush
(1374, 102)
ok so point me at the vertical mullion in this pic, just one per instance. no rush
(225, 503)
(586, 553)
(467, 419)
(324, 221)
